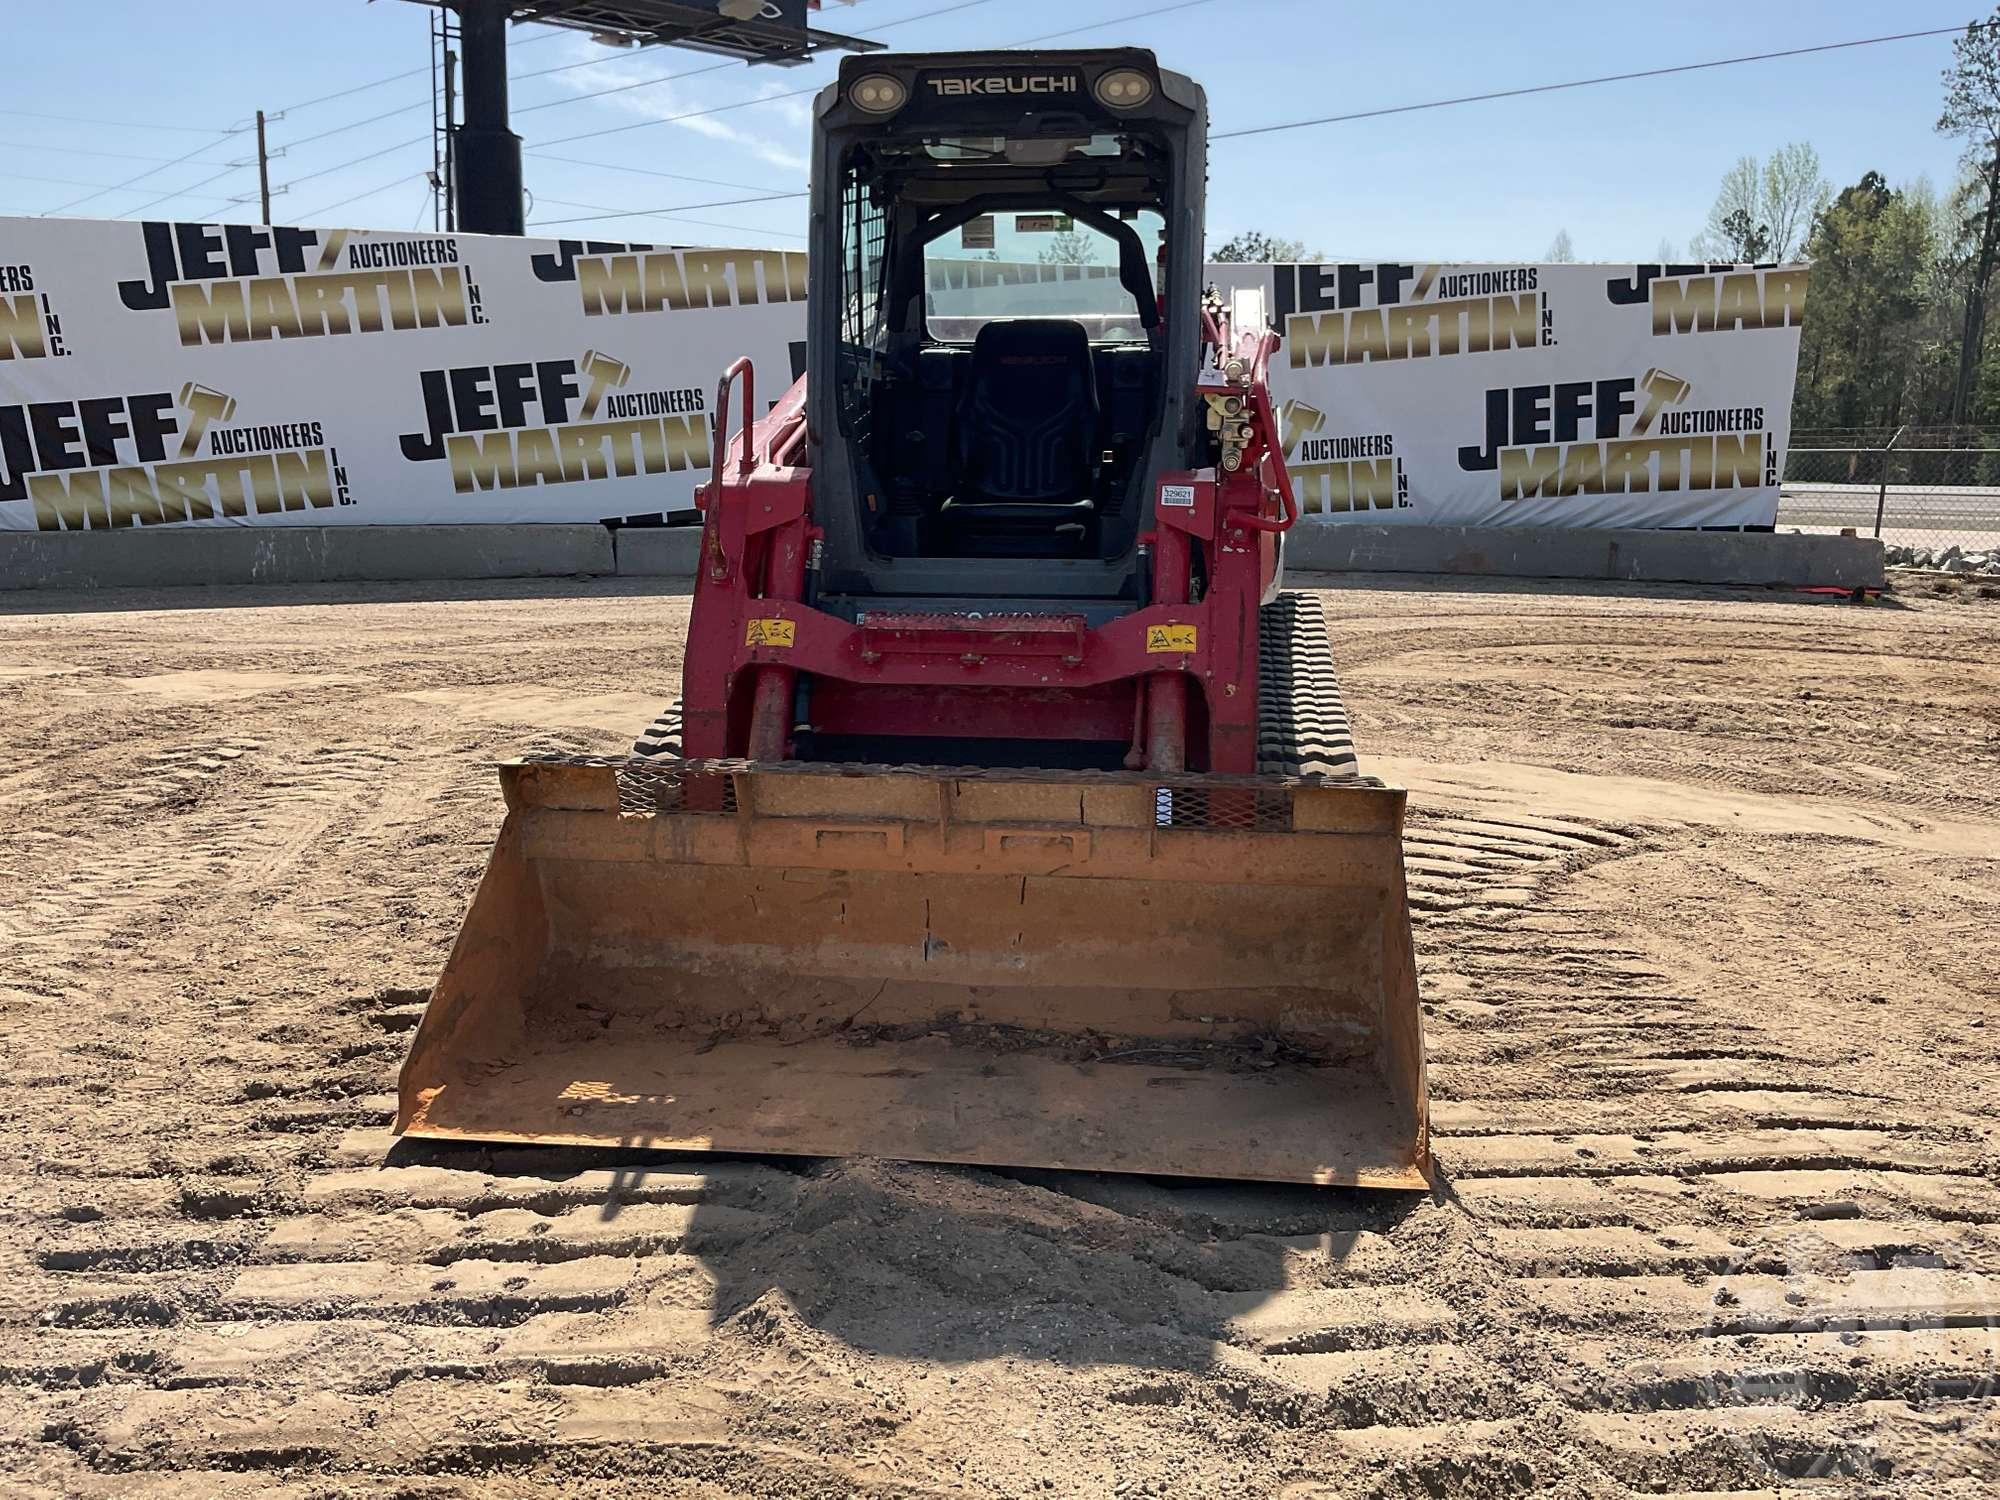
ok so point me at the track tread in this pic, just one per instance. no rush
(1302, 725)
(662, 737)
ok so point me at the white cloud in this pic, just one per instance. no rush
(664, 101)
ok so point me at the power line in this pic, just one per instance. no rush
(1583, 83)
(622, 54)
(1137, 15)
(56, 181)
(362, 88)
(162, 162)
(184, 191)
(78, 151)
(387, 114)
(624, 88)
(397, 181)
(692, 114)
(611, 56)
(412, 108)
(661, 213)
(672, 218)
(577, 99)
(359, 88)
(1292, 125)
(149, 172)
(613, 166)
(401, 109)
(356, 161)
(717, 109)
(929, 15)
(29, 114)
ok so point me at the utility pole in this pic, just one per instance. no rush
(437, 144)
(263, 171)
(450, 140)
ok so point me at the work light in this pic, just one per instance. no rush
(1124, 88)
(878, 94)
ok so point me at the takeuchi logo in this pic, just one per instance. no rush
(1338, 474)
(1714, 299)
(1350, 314)
(154, 457)
(619, 278)
(239, 283)
(554, 421)
(29, 327)
(1618, 436)
(1000, 85)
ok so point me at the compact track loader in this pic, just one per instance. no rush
(1010, 816)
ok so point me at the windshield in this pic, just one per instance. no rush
(1034, 265)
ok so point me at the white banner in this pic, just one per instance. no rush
(182, 373)
(1565, 395)
(221, 373)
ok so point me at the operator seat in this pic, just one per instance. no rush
(1027, 439)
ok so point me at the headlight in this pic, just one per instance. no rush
(1124, 88)
(878, 94)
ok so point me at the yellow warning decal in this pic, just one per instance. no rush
(770, 633)
(1170, 637)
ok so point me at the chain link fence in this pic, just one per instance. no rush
(1932, 494)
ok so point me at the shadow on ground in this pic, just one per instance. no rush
(955, 1264)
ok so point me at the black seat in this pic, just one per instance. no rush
(1027, 423)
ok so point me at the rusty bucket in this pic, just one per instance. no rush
(1206, 976)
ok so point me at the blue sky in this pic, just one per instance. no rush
(1621, 167)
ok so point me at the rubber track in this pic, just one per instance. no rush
(1302, 727)
(663, 735)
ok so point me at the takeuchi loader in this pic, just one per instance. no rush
(1011, 816)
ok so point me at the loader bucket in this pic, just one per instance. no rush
(1205, 976)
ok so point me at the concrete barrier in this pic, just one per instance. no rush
(144, 557)
(149, 558)
(1718, 557)
(657, 551)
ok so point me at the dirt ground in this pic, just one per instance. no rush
(1709, 928)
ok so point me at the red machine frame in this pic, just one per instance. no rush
(993, 675)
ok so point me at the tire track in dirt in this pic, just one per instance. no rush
(91, 897)
(1813, 1273)
(1678, 1246)
(557, 1308)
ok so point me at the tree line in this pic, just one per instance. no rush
(1896, 327)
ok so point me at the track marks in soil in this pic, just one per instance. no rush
(1674, 1250)
(1792, 1260)
(1720, 1257)
(171, 854)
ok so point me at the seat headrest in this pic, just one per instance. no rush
(1031, 341)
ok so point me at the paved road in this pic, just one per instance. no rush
(1914, 514)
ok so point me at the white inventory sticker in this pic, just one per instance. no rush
(1177, 494)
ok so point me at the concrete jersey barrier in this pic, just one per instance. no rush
(350, 554)
(1714, 557)
(169, 556)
